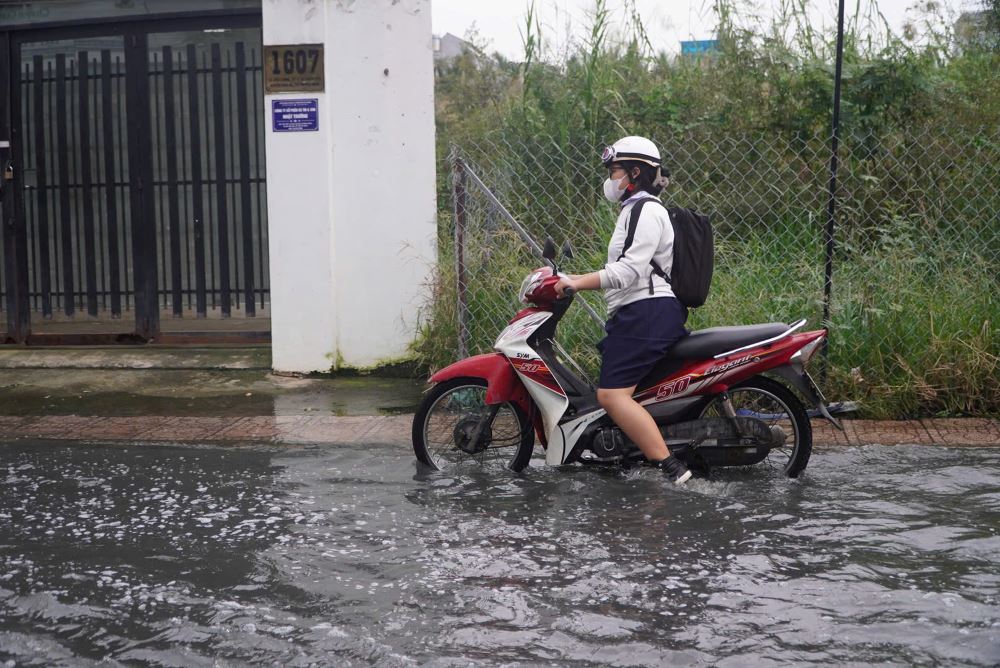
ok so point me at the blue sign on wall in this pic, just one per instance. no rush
(295, 115)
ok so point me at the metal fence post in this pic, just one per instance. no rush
(831, 207)
(459, 198)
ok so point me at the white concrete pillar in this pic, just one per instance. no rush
(351, 206)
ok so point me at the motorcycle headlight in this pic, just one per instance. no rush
(531, 281)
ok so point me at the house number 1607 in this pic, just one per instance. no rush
(299, 61)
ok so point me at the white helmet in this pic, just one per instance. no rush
(632, 148)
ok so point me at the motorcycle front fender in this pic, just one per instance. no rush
(502, 382)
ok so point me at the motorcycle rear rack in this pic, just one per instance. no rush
(788, 332)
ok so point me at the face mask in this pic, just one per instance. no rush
(613, 189)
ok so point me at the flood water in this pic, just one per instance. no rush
(351, 556)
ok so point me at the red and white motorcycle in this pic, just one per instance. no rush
(709, 394)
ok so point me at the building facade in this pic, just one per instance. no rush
(218, 171)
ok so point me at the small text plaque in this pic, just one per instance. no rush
(295, 115)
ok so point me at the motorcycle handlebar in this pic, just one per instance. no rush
(568, 292)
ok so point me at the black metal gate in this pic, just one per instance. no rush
(138, 178)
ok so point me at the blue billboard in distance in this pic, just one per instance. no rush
(699, 46)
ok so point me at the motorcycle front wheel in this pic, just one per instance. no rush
(783, 413)
(454, 425)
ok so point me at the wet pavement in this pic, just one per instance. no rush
(200, 393)
(394, 427)
(162, 394)
(352, 556)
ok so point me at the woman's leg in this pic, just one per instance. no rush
(635, 421)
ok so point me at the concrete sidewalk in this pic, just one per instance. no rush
(186, 395)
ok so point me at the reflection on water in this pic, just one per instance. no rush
(177, 556)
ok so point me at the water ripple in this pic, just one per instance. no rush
(188, 557)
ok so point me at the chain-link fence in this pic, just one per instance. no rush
(915, 299)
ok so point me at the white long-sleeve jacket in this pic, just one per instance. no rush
(626, 280)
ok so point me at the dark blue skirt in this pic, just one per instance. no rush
(638, 336)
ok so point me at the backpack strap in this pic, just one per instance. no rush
(658, 270)
(633, 222)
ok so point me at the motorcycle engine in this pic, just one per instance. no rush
(609, 443)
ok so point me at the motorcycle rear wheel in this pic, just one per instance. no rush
(446, 422)
(778, 407)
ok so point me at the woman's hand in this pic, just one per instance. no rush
(566, 282)
(591, 281)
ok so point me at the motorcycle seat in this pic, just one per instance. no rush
(705, 343)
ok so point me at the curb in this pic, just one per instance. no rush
(395, 429)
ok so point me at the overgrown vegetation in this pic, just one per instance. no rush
(915, 324)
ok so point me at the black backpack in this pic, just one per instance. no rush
(694, 253)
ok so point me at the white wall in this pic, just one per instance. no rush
(351, 208)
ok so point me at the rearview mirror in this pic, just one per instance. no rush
(549, 250)
(567, 250)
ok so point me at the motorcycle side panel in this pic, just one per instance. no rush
(700, 376)
(537, 379)
(568, 434)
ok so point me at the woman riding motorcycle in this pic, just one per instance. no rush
(644, 317)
